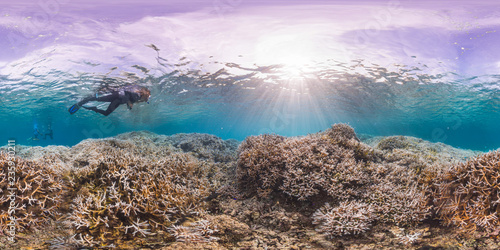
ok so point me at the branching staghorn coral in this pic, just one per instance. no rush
(257, 155)
(345, 219)
(198, 232)
(131, 186)
(309, 160)
(332, 167)
(34, 194)
(397, 197)
(417, 153)
(122, 195)
(468, 194)
(298, 165)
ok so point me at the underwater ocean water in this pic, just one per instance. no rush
(239, 68)
(242, 124)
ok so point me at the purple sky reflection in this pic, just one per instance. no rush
(458, 36)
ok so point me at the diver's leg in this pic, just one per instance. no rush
(112, 106)
(104, 98)
(110, 97)
(87, 99)
(77, 106)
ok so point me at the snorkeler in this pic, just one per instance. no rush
(36, 133)
(129, 95)
(49, 132)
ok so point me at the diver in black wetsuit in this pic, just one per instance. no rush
(127, 95)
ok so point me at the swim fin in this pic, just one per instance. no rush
(74, 108)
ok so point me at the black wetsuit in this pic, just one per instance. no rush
(126, 95)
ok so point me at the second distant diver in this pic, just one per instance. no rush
(49, 132)
(126, 95)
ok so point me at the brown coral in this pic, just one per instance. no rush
(257, 154)
(333, 166)
(298, 165)
(32, 196)
(136, 196)
(108, 190)
(468, 194)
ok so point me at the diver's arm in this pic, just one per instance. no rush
(132, 98)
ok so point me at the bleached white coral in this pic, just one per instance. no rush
(349, 217)
(407, 238)
(200, 231)
(136, 195)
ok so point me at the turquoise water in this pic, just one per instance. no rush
(239, 69)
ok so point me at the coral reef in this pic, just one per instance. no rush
(333, 167)
(349, 217)
(203, 146)
(32, 194)
(103, 190)
(195, 191)
(206, 146)
(297, 166)
(120, 194)
(468, 194)
(411, 151)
